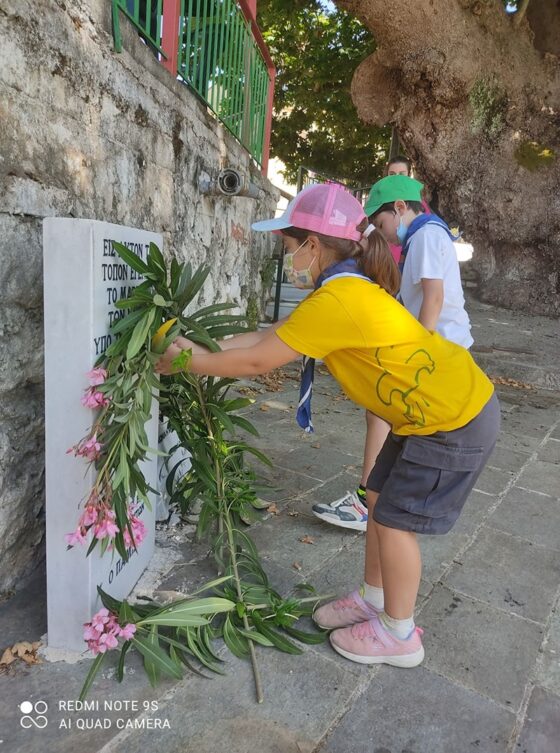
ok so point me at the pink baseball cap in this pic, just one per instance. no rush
(326, 208)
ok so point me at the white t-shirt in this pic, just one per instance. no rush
(432, 255)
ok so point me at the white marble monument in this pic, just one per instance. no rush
(83, 279)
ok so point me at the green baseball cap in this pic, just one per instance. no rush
(390, 189)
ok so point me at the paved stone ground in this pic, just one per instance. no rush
(488, 601)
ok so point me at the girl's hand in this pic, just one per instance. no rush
(163, 366)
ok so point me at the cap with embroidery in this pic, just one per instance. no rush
(326, 208)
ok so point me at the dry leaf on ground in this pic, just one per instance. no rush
(307, 539)
(23, 650)
(508, 382)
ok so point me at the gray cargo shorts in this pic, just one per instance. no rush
(424, 481)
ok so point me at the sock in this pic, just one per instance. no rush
(361, 492)
(398, 628)
(372, 595)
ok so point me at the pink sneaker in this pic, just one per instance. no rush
(343, 612)
(370, 643)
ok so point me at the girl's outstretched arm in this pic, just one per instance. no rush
(243, 340)
(266, 354)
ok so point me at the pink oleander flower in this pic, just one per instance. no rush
(108, 640)
(92, 398)
(106, 528)
(128, 631)
(97, 376)
(89, 515)
(139, 531)
(76, 537)
(103, 631)
(89, 448)
(100, 619)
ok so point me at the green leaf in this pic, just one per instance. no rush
(245, 425)
(175, 274)
(120, 668)
(257, 453)
(193, 287)
(199, 651)
(175, 620)
(189, 611)
(155, 259)
(213, 309)
(235, 642)
(222, 417)
(159, 300)
(130, 258)
(127, 322)
(179, 649)
(155, 656)
(94, 669)
(211, 584)
(217, 333)
(184, 279)
(237, 403)
(113, 605)
(257, 637)
(280, 642)
(305, 637)
(140, 334)
(126, 613)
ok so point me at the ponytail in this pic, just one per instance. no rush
(377, 262)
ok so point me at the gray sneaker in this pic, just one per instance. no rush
(347, 512)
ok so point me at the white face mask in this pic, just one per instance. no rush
(300, 278)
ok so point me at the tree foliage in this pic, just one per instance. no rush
(316, 49)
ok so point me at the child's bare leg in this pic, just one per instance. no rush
(373, 576)
(401, 566)
(376, 434)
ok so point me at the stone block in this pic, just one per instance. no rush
(539, 476)
(541, 731)
(425, 713)
(509, 573)
(535, 517)
(479, 647)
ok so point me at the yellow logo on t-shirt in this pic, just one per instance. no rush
(413, 411)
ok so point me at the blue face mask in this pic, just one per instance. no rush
(402, 230)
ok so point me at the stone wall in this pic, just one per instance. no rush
(86, 132)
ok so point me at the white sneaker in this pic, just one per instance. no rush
(347, 512)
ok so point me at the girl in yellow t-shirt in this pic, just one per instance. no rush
(442, 409)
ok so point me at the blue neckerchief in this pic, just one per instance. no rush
(345, 268)
(416, 224)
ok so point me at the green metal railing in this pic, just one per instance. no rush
(146, 15)
(219, 58)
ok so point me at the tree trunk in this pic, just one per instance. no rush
(476, 101)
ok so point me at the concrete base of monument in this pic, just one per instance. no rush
(53, 655)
